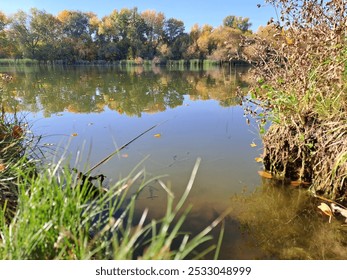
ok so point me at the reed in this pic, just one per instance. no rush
(23, 61)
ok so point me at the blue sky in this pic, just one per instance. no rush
(189, 11)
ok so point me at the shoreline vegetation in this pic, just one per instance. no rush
(124, 36)
(300, 84)
(192, 63)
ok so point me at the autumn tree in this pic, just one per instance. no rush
(3, 40)
(74, 36)
(201, 41)
(227, 41)
(79, 30)
(175, 40)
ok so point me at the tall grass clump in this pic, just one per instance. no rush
(300, 82)
(16, 153)
(57, 218)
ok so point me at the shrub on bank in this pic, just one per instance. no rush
(300, 82)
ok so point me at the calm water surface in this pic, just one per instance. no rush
(94, 110)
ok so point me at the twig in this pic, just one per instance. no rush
(122, 147)
(329, 200)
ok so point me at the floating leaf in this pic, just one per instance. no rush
(326, 210)
(265, 174)
(74, 134)
(258, 159)
(158, 135)
(295, 183)
(253, 145)
(124, 155)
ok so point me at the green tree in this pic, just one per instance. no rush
(49, 31)
(3, 21)
(22, 32)
(136, 34)
(173, 28)
(154, 31)
(3, 40)
(123, 32)
(240, 23)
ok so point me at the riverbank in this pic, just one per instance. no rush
(192, 63)
(302, 89)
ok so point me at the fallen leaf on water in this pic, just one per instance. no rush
(124, 155)
(295, 183)
(265, 174)
(253, 145)
(158, 135)
(258, 159)
(326, 210)
(2, 167)
(74, 134)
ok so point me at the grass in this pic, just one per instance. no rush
(55, 220)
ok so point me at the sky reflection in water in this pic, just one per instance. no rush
(107, 107)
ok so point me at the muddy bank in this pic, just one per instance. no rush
(312, 151)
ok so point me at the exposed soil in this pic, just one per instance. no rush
(312, 151)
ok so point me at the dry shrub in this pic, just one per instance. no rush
(300, 81)
(15, 147)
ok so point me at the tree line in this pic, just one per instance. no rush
(127, 34)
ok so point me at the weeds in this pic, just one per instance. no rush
(300, 82)
(55, 220)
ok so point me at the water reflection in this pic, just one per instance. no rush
(93, 89)
(283, 222)
(92, 111)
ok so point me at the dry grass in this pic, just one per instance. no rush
(300, 81)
